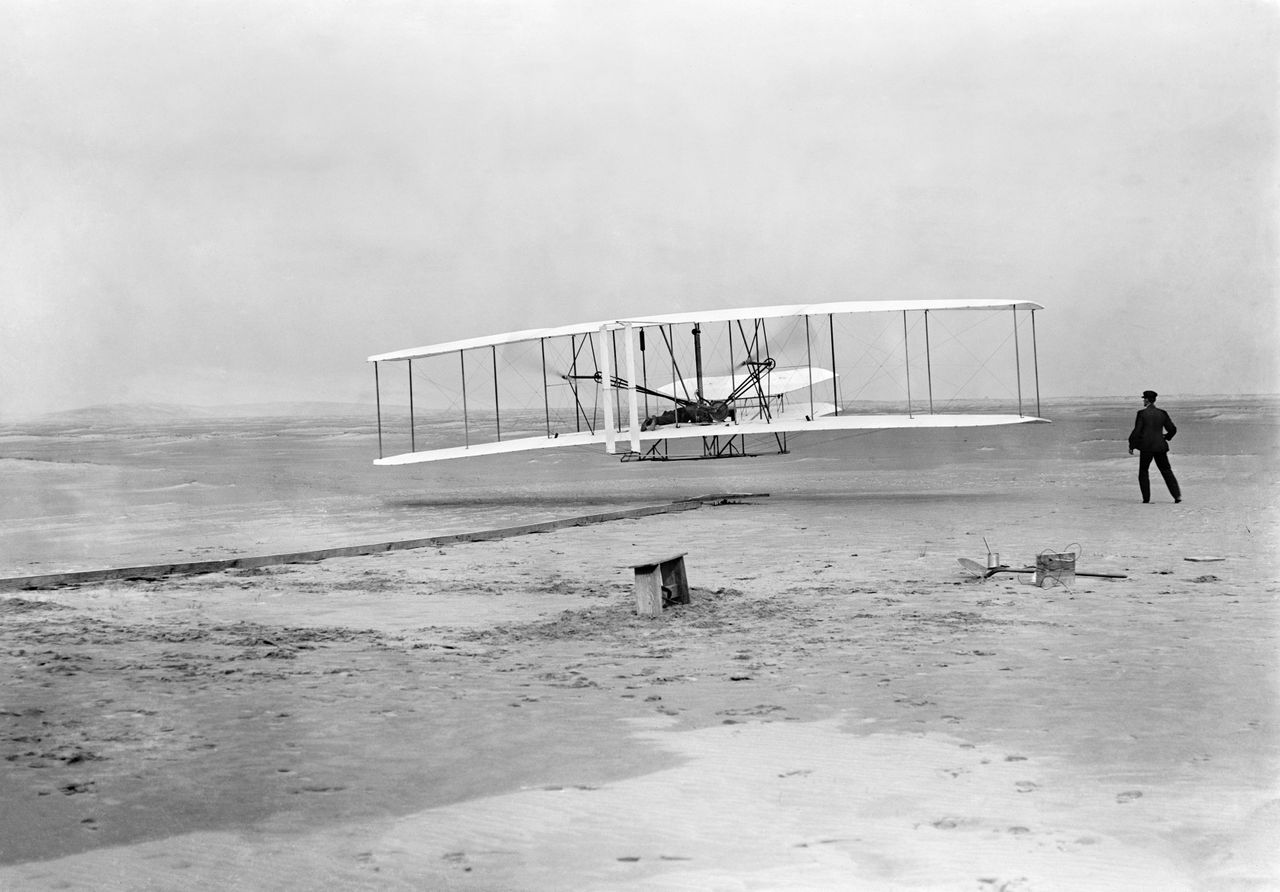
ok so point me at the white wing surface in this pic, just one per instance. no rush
(742, 313)
(789, 422)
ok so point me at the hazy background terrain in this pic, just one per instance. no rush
(126, 487)
(234, 202)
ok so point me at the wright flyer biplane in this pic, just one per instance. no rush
(713, 384)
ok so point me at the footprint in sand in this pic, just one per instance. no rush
(1128, 796)
(457, 859)
(1027, 786)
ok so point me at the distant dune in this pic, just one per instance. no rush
(156, 413)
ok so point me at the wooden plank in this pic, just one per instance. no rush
(674, 581)
(655, 562)
(648, 590)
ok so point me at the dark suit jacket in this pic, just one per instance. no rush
(1149, 430)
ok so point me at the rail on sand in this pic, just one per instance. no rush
(193, 568)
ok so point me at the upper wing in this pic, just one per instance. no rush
(709, 316)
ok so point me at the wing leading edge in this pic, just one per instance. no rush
(710, 316)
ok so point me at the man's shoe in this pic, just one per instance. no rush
(1177, 501)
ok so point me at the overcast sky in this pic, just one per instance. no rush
(239, 200)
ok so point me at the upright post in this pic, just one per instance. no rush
(675, 383)
(928, 360)
(546, 398)
(644, 371)
(808, 355)
(497, 417)
(377, 396)
(906, 354)
(573, 383)
(733, 367)
(1035, 361)
(413, 446)
(633, 410)
(617, 391)
(466, 421)
(1017, 357)
(835, 379)
(697, 358)
(606, 381)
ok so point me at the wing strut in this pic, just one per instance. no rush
(1017, 358)
(697, 358)
(808, 354)
(606, 354)
(928, 361)
(617, 393)
(633, 411)
(1035, 361)
(497, 415)
(835, 379)
(546, 397)
(466, 422)
(413, 445)
(733, 366)
(377, 395)
(644, 372)
(906, 354)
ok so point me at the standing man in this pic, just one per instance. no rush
(1152, 432)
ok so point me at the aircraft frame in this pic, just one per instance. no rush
(610, 382)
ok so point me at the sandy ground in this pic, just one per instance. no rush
(840, 706)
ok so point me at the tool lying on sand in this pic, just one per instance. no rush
(983, 572)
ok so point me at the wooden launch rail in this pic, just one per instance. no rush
(193, 568)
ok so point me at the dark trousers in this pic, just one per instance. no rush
(1162, 462)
